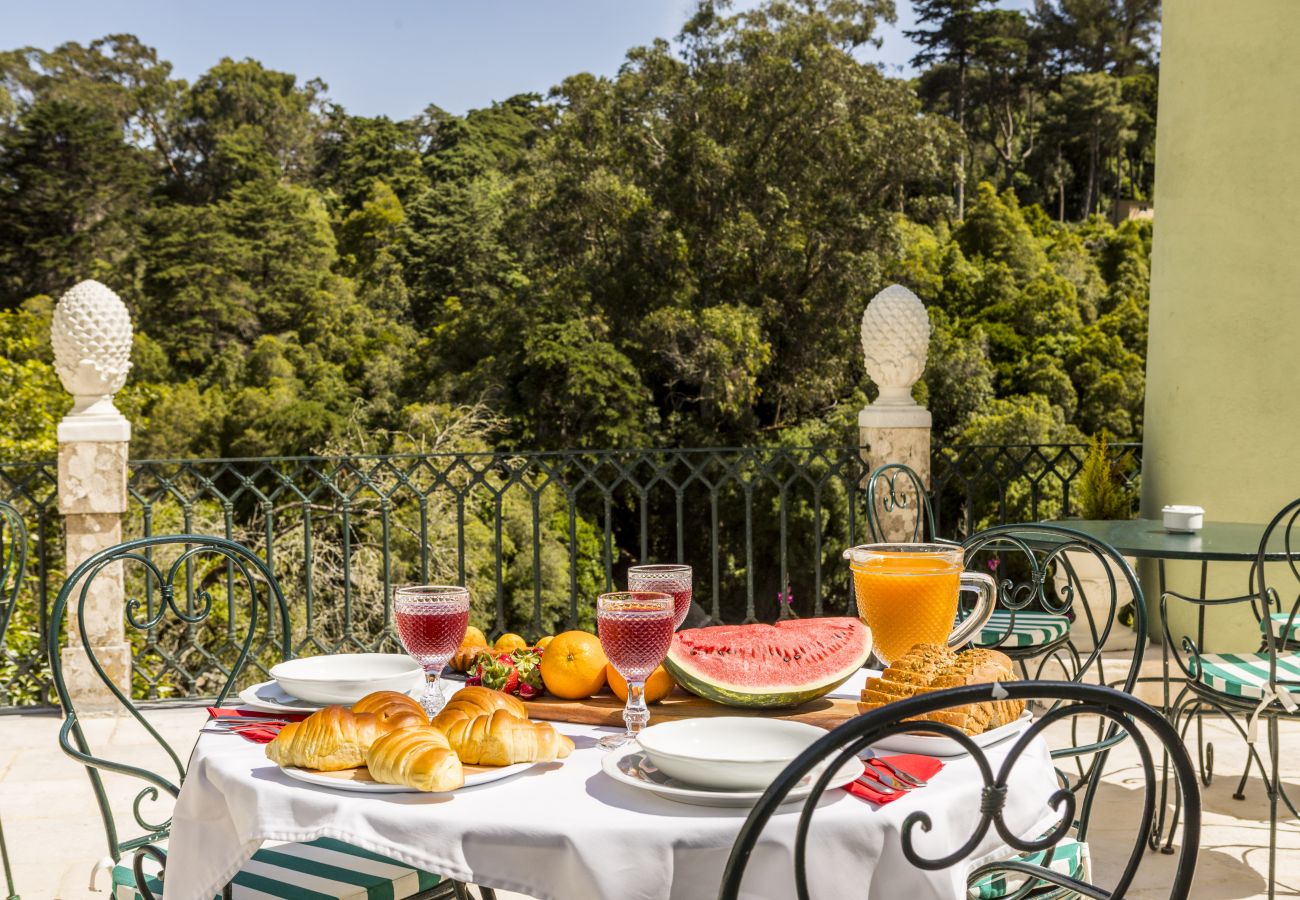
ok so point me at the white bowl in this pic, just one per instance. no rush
(347, 677)
(728, 752)
(1184, 519)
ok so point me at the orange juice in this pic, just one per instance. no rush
(907, 599)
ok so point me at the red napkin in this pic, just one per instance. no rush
(923, 767)
(257, 733)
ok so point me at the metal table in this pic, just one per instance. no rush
(1215, 542)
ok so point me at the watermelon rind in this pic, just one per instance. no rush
(770, 695)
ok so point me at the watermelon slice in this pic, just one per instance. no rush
(791, 662)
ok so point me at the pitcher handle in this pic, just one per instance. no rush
(970, 626)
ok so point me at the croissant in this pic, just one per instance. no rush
(476, 700)
(388, 704)
(418, 757)
(502, 739)
(329, 739)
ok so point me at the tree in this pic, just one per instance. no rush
(71, 196)
(951, 42)
(242, 122)
(1115, 36)
(1092, 112)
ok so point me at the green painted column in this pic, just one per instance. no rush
(1222, 421)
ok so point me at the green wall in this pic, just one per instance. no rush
(1222, 422)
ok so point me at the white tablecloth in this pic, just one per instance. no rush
(566, 830)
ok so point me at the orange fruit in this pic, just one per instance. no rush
(658, 686)
(508, 642)
(473, 638)
(542, 642)
(573, 666)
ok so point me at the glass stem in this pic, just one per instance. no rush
(635, 713)
(432, 699)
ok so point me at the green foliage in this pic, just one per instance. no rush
(675, 256)
(1102, 488)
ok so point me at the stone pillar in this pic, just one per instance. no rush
(91, 333)
(896, 429)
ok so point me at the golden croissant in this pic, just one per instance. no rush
(330, 739)
(475, 700)
(417, 757)
(503, 739)
(387, 704)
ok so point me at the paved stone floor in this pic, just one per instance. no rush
(55, 836)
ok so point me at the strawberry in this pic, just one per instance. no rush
(528, 662)
(497, 673)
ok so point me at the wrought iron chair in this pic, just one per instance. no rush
(207, 573)
(1032, 622)
(1249, 686)
(1037, 870)
(13, 565)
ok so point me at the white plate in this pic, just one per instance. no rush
(627, 766)
(936, 745)
(359, 780)
(270, 697)
(346, 677)
(731, 753)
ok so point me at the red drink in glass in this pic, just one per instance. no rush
(431, 623)
(635, 640)
(433, 633)
(636, 630)
(675, 580)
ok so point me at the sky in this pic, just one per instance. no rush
(391, 57)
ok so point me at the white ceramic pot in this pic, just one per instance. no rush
(1095, 586)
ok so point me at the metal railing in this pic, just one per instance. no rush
(536, 536)
(975, 486)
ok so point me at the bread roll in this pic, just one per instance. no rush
(476, 700)
(390, 704)
(503, 739)
(417, 757)
(329, 739)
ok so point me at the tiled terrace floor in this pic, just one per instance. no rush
(55, 836)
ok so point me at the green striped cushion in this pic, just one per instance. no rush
(323, 869)
(1279, 625)
(1246, 674)
(1069, 857)
(1029, 629)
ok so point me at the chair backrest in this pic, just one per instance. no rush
(1277, 583)
(1072, 699)
(898, 505)
(1041, 568)
(13, 563)
(209, 574)
(1274, 598)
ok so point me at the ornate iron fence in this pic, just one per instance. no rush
(24, 672)
(974, 486)
(536, 536)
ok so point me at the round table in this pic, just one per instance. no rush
(567, 830)
(1215, 542)
(1148, 539)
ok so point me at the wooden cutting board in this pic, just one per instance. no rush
(606, 709)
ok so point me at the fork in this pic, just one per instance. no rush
(906, 778)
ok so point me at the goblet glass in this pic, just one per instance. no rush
(636, 630)
(670, 579)
(431, 621)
